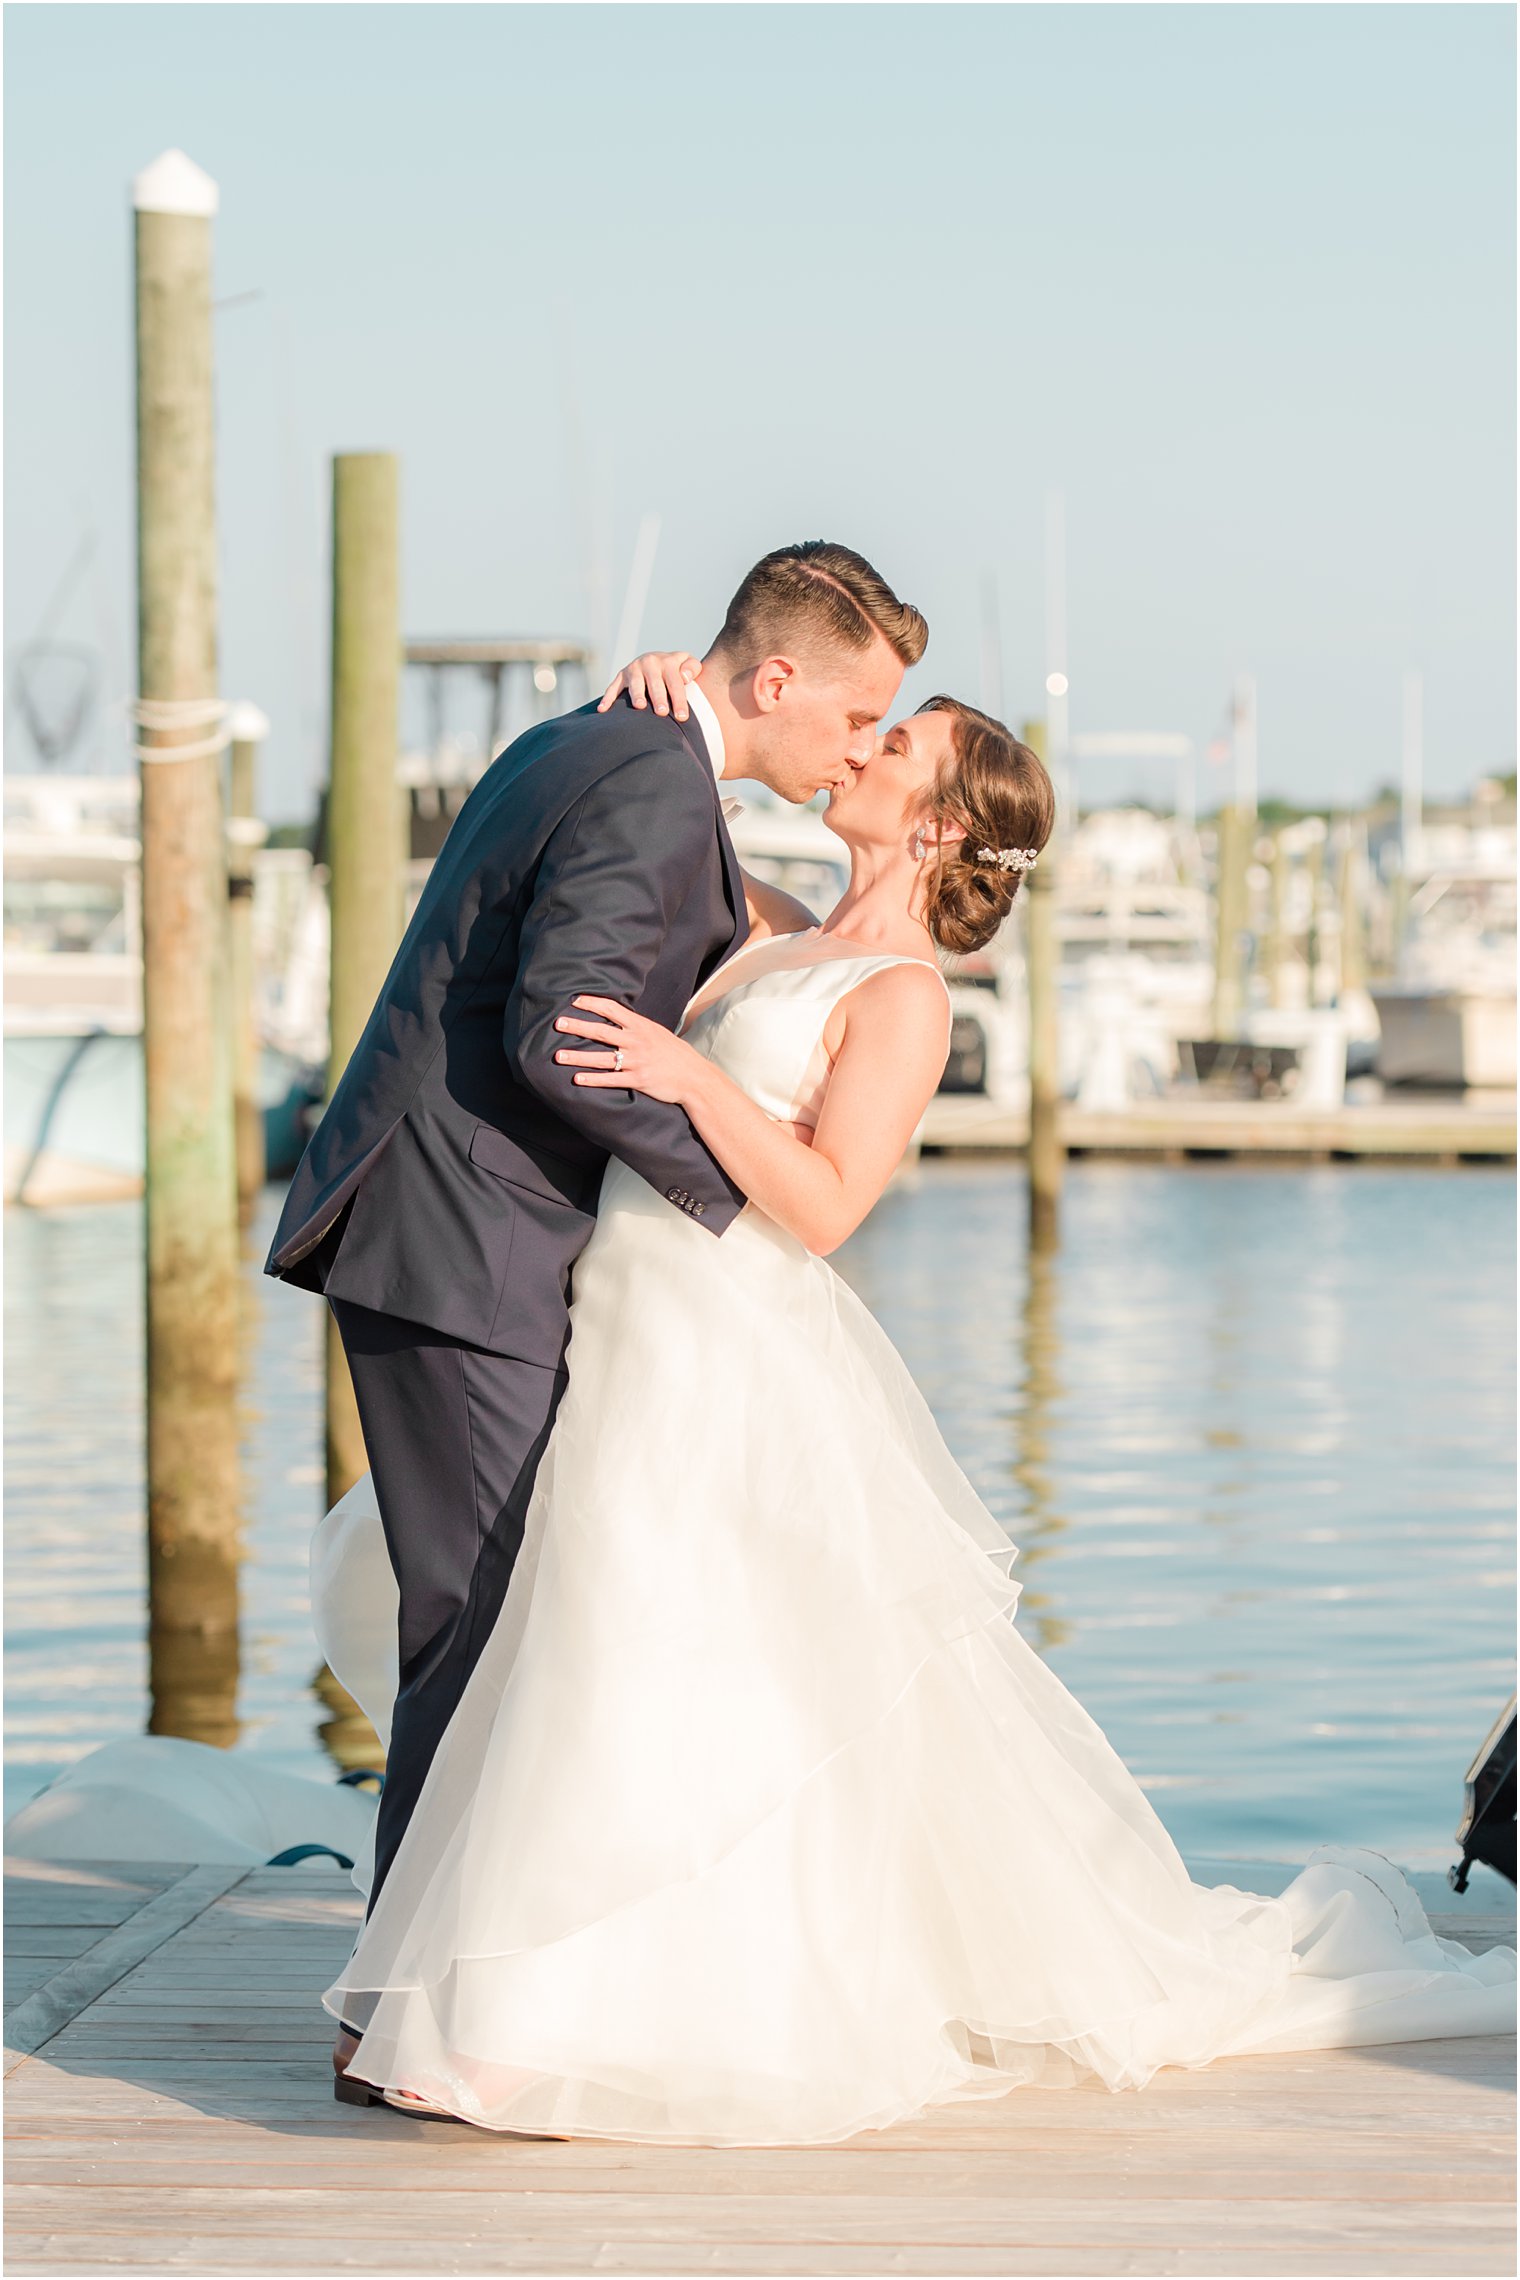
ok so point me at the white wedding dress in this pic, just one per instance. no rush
(759, 1822)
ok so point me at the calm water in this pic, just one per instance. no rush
(1253, 1432)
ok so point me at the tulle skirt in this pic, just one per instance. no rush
(759, 1822)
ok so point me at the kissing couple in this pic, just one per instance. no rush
(724, 1801)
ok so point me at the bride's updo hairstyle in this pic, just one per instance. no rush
(997, 790)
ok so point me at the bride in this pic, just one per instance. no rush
(759, 1822)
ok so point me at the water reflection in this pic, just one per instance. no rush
(344, 1732)
(1251, 1429)
(193, 1668)
(288, 1690)
(1034, 1459)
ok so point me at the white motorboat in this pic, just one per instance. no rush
(1137, 955)
(73, 989)
(74, 1110)
(1448, 1015)
(791, 848)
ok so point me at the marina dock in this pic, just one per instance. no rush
(169, 2109)
(1477, 1128)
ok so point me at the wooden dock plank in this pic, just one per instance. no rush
(67, 1904)
(81, 2255)
(1057, 2219)
(107, 1959)
(23, 1974)
(1059, 2170)
(180, 2119)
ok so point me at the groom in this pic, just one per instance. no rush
(453, 1179)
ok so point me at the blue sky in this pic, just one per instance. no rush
(1238, 279)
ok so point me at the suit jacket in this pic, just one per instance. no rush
(454, 1177)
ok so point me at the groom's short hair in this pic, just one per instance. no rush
(817, 596)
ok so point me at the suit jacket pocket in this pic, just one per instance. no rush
(538, 1170)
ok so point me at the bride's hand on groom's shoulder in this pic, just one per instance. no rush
(656, 681)
(630, 1051)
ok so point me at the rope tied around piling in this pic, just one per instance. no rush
(166, 714)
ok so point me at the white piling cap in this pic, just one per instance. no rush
(174, 184)
(246, 724)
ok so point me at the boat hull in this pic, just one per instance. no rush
(1446, 1037)
(74, 1117)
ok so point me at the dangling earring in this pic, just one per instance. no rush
(920, 845)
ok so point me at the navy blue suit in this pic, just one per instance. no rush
(453, 1180)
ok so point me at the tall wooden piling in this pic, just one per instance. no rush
(1398, 918)
(247, 727)
(1047, 1154)
(1280, 960)
(1232, 915)
(191, 1220)
(1353, 934)
(365, 853)
(1314, 867)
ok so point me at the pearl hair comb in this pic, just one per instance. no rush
(1009, 858)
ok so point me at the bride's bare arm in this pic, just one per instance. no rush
(654, 682)
(890, 1059)
(772, 910)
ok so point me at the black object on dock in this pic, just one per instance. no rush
(1486, 1831)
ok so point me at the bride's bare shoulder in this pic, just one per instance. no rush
(912, 989)
(897, 1012)
(772, 911)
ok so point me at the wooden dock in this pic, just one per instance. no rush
(169, 2110)
(1479, 1128)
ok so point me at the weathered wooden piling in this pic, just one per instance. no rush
(1232, 916)
(191, 1215)
(1047, 1155)
(1314, 866)
(247, 727)
(364, 812)
(1398, 918)
(1349, 895)
(1280, 959)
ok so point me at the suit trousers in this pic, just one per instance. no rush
(454, 1436)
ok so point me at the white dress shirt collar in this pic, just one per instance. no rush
(707, 720)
